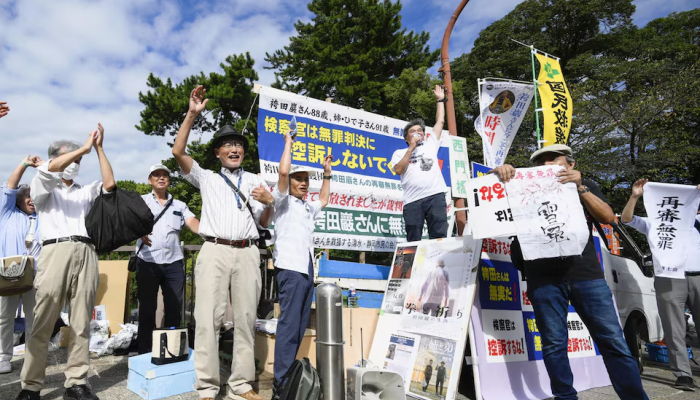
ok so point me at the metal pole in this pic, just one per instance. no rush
(329, 341)
(537, 111)
(460, 217)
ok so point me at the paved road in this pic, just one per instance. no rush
(108, 377)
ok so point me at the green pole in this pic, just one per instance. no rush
(534, 83)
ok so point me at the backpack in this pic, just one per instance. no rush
(117, 218)
(301, 382)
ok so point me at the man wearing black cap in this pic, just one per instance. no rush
(554, 282)
(235, 204)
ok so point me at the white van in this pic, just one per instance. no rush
(630, 276)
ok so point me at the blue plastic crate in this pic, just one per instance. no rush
(659, 353)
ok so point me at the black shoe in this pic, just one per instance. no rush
(685, 383)
(28, 395)
(79, 392)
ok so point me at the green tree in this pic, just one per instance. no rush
(349, 51)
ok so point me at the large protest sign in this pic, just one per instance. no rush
(425, 314)
(508, 342)
(548, 215)
(459, 163)
(367, 196)
(503, 106)
(671, 210)
(556, 100)
(489, 210)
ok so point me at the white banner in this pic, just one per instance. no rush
(671, 209)
(459, 165)
(422, 327)
(489, 211)
(503, 106)
(548, 216)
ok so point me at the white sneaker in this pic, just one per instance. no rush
(5, 367)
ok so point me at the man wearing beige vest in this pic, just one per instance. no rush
(68, 273)
(235, 204)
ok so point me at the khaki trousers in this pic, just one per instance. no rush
(222, 271)
(68, 274)
(8, 311)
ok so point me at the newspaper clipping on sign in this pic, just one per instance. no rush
(422, 327)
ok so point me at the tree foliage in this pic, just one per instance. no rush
(349, 51)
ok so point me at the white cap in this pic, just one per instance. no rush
(157, 167)
(300, 168)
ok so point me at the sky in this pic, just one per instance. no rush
(65, 66)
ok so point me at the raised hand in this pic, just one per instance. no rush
(87, 146)
(99, 135)
(32, 161)
(4, 109)
(638, 188)
(262, 195)
(288, 137)
(439, 92)
(197, 101)
(327, 167)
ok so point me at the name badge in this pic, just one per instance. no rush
(178, 213)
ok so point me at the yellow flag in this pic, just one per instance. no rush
(556, 101)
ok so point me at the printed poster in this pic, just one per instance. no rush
(489, 209)
(401, 354)
(548, 215)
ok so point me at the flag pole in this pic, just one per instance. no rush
(537, 109)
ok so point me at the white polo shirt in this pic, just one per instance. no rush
(294, 228)
(692, 263)
(422, 177)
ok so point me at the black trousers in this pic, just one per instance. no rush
(150, 277)
(431, 210)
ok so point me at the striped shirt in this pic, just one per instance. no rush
(165, 238)
(61, 209)
(221, 217)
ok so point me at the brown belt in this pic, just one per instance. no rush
(243, 243)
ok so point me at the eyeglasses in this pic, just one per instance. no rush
(230, 145)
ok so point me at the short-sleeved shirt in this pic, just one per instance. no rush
(692, 264)
(165, 238)
(294, 228)
(221, 216)
(585, 267)
(14, 227)
(62, 209)
(422, 177)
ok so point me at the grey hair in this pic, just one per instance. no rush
(22, 193)
(61, 147)
(411, 123)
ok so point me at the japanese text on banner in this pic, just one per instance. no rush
(556, 101)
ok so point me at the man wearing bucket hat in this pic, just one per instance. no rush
(294, 253)
(159, 264)
(553, 283)
(235, 204)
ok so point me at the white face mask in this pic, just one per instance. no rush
(71, 171)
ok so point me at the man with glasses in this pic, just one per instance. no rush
(235, 203)
(554, 282)
(423, 186)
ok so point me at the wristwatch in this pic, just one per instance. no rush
(585, 190)
(444, 100)
(327, 177)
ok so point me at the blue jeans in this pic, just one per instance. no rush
(296, 290)
(431, 210)
(594, 304)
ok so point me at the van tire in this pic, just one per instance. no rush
(633, 337)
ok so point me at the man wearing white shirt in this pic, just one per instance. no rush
(18, 236)
(294, 254)
(673, 294)
(68, 272)
(235, 204)
(423, 186)
(159, 264)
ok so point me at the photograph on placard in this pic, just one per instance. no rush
(403, 261)
(432, 368)
(401, 354)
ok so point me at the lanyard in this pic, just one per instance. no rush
(235, 192)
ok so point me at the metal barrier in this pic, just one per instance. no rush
(190, 253)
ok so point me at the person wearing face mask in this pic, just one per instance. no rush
(423, 186)
(553, 283)
(68, 273)
(159, 264)
(294, 254)
(235, 203)
(19, 235)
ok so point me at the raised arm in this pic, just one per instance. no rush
(197, 105)
(440, 112)
(16, 176)
(637, 192)
(60, 163)
(108, 182)
(285, 163)
(4, 109)
(326, 186)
